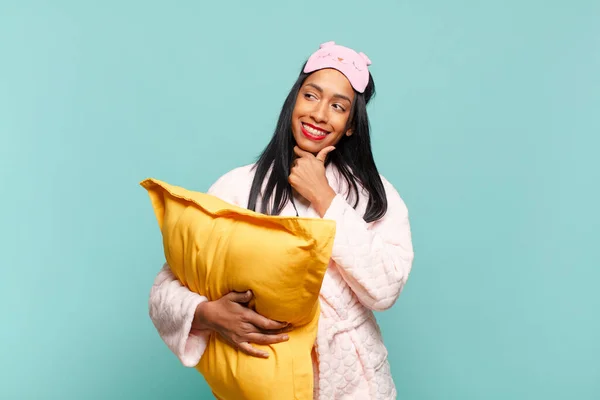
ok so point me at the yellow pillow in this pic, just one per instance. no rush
(214, 248)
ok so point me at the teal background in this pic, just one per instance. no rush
(486, 120)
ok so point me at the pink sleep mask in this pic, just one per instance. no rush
(350, 63)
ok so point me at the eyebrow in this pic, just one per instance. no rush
(340, 96)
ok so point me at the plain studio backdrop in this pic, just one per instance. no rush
(487, 121)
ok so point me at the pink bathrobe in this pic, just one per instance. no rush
(369, 266)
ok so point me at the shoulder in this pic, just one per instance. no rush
(388, 186)
(395, 203)
(234, 186)
(394, 199)
(236, 175)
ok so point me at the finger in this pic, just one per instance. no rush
(263, 323)
(287, 329)
(262, 339)
(323, 153)
(301, 153)
(248, 328)
(239, 297)
(248, 349)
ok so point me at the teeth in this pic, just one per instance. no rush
(313, 131)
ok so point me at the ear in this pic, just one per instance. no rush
(349, 132)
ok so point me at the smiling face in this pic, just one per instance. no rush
(322, 110)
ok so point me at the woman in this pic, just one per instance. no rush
(318, 164)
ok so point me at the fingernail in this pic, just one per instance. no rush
(285, 337)
(265, 355)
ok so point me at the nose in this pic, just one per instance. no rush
(319, 112)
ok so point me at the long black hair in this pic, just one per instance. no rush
(353, 158)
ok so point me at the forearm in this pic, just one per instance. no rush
(374, 260)
(322, 201)
(202, 317)
(172, 309)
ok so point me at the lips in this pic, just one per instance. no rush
(312, 132)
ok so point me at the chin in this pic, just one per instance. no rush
(310, 146)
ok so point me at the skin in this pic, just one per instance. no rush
(238, 325)
(324, 101)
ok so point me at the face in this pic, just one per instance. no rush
(322, 110)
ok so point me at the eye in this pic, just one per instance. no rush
(339, 107)
(309, 96)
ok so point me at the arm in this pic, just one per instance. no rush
(185, 320)
(375, 260)
(172, 308)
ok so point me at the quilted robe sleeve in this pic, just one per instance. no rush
(172, 306)
(374, 259)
